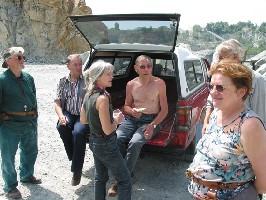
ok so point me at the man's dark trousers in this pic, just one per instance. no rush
(73, 135)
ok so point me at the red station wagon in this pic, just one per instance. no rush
(120, 39)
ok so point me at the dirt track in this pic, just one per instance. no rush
(157, 177)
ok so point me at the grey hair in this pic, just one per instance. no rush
(143, 57)
(231, 47)
(96, 70)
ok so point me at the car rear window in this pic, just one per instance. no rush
(121, 64)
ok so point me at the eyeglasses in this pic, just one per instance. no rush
(145, 66)
(218, 88)
(77, 64)
(21, 57)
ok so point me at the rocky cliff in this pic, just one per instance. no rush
(42, 27)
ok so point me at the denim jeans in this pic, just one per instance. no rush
(130, 138)
(248, 192)
(10, 138)
(107, 157)
(73, 136)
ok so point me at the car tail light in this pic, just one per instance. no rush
(184, 115)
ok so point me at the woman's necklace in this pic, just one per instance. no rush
(224, 126)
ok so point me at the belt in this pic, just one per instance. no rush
(23, 114)
(9, 115)
(215, 185)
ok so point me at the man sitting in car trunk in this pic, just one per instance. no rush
(145, 108)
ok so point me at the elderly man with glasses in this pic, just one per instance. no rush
(18, 122)
(145, 108)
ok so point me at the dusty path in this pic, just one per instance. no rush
(157, 177)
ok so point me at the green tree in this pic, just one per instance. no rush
(218, 27)
(262, 28)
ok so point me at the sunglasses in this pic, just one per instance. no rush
(21, 57)
(218, 88)
(145, 66)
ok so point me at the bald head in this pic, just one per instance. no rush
(72, 57)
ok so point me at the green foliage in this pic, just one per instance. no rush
(251, 36)
(262, 28)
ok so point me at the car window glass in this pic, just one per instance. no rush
(162, 67)
(121, 64)
(194, 73)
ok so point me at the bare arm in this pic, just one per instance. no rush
(83, 116)
(102, 105)
(206, 119)
(253, 139)
(59, 112)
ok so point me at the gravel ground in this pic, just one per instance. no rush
(157, 176)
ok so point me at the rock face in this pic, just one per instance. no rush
(42, 27)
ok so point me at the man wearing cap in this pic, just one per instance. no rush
(68, 101)
(18, 122)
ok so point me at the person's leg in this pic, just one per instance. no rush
(79, 146)
(113, 160)
(28, 152)
(119, 170)
(66, 135)
(124, 133)
(101, 172)
(8, 147)
(134, 147)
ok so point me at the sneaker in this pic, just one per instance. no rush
(32, 180)
(76, 178)
(112, 191)
(14, 194)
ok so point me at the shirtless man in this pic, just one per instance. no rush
(145, 108)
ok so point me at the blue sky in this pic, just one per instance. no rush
(192, 11)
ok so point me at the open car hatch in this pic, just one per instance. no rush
(151, 30)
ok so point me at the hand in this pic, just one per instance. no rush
(118, 116)
(62, 120)
(148, 131)
(136, 113)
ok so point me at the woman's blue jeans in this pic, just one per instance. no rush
(107, 157)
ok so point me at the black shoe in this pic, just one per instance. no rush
(76, 178)
(14, 194)
(32, 180)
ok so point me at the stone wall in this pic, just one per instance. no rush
(42, 27)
